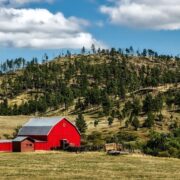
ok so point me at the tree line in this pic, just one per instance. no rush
(87, 80)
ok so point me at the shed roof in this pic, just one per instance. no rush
(21, 138)
(39, 126)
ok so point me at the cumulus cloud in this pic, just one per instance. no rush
(16, 3)
(39, 28)
(148, 14)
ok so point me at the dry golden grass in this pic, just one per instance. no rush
(96, 165)
(9, 123)
(22, 98)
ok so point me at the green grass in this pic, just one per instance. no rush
(97, 165)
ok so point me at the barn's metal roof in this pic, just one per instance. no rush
(32, 130)
(43, 121)
(39, 126)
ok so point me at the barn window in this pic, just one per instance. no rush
(29, 145)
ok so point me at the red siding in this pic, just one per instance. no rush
(41, 146)
(64, 130)
(6, 146)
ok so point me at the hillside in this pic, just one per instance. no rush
(120, 95)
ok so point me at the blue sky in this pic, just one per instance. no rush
(34, 27)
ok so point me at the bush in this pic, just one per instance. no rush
(136, 123)
(164, 154)
(149, 122)
(95, 139)
(110, 121)
(133, 145)
(96, 122)
(126, 136)
(165, 145)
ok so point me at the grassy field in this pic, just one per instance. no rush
(96, 165)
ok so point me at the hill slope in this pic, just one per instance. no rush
(116, 92)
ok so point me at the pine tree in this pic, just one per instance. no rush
(81, 123)
(93, 48)
(106, 104)
(149, 122)
(136, 106)
(148, 103)
(110, 121)
(83, 50)
(136, 123)
(96, 122)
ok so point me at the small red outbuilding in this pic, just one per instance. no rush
(44, 134)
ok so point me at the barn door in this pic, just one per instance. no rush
(64, 144)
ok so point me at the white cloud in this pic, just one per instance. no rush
(16, 3)
(148, 14)
(39, 28)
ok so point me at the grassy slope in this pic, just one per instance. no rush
(7, 124)
(60, 165)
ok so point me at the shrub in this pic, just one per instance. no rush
(165, 145)
(95, 138)
(149, 122)
(136, 123)
(110, 121)
(96, 122)
(126, 136)
(164, 154)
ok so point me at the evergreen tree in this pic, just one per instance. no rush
(149, 122)
(158, 103)
(148, 103)
(83, 50)
(136, 123)
(136, 106)
(93, 48)
(96, 122)
(110, 121)
(106, 104)
(81, 123)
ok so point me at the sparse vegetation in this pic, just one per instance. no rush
(106, 92)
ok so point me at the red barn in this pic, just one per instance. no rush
(44, 134)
